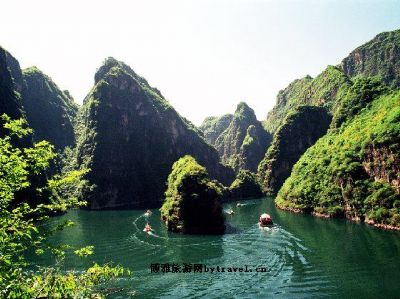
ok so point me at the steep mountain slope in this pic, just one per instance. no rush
(11, 87)
(130, 137)
(300, 129)
(324, 90)
(354, 170)
(16, 72)
(10, 102)
(213, 126)
(49, 111)
(34, 96)
(378, 57)
(243, 144)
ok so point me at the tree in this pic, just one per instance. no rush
(18, 223)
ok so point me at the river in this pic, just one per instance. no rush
(302, 256)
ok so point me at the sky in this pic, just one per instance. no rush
(205, 56)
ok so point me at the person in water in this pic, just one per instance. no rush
(148, 213)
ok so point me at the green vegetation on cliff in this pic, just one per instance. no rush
(192, 200)
(245, 186)
(361, 93)
(129, 136)
(340, 176)
(244, 142)
(49, 111)
(378, 57)
(213, 126)
(324, 90)
(31, 94)
(352, 171)
(301, 128)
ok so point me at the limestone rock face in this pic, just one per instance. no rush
(378, 57)
(241, 140)
(300, 130)
(213, 126)
(12, 86)
(16, 72)
(325, 90)
(382, 163)
(34, 96)
(49, 111)
(353, 170)
(10, 102)
(130, 137)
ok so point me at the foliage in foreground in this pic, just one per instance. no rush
(18, 224)
(192, 200)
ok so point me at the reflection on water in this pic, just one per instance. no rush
(304, 256)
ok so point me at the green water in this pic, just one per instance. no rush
(305, 257)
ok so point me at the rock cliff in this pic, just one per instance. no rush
(213, 126)
(130, 136)
(10, 102)
(34, 96)
(300, 129)
(378, 57)
(325, 90)
(49, 111)
(353, 171)
(241, 140)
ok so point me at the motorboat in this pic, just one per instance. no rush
(147, 228)
(265, 220)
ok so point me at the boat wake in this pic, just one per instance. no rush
(139, 233)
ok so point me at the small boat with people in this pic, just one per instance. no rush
(265, 220)
(147, 228)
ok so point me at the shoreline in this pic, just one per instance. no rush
(367, 221)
